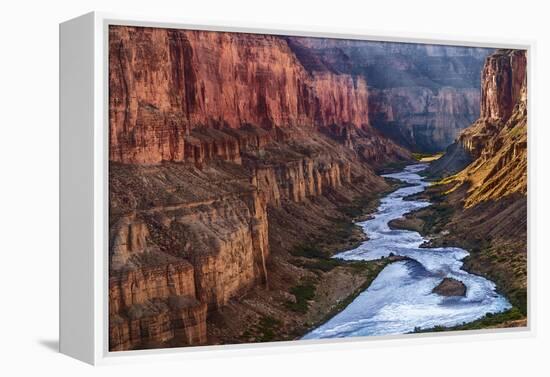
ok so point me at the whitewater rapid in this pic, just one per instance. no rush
(400, 299)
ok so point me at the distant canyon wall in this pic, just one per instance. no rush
(421, 119)
(421, 96)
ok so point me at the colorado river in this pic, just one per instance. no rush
(400, 299)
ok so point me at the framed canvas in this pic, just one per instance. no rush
(228, 188)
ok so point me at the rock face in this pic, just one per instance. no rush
(341, 99)
(164, 84)
(503, 84)
(497, 141)
(209, 134)
(421, 118)
(422, 96)
(199, 236)
(155, 301)
(455, 158)
(450, 287)
(488, 197)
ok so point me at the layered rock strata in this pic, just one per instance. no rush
(199, 236)
(421, 118)
(484, 206)
(166, 83)
(209, 132)
(420, 95)
(497, 141)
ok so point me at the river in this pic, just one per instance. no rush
(400, 299)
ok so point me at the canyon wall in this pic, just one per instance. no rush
(216, 136)
(209, 132)
(498, 139)
(503, 109)
(186, 239)
(166, 83)
(504, 81)
(421, 96)
(484, 201)
(183, 241)
(422, 119)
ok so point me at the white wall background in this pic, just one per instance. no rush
(29, 186)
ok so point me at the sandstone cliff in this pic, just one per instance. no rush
(498, 139)
(199, 236)
(210, 135)
(421, 118)
(166, 83)
(422, 96)
(483, 207)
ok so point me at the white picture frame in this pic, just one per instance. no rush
(84, 191)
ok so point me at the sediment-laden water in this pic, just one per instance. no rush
(400, 299)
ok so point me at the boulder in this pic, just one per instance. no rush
(450, 287)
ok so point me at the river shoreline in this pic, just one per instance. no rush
(438, 235)
(360, 317)
(307, 286)
(367, 212)
(514, 317)
(349, 299)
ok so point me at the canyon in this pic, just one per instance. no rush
(427, 289)
(421, 96)
(481, 190)
(176, 96)
(498, 140)
(220, 143)
(239, 162)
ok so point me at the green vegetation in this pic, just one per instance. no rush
(419, 156)
(340, 231)
(489, 320)
(360, 206)
(433, 218)
(502, 264)
(324, 265)
(315, 259)
(392, 167)
(308, 251)
(312, 256)
(426, 157)
(518, 297)
(371, 269)
(266, 328)
(303, 293)
(435, 221)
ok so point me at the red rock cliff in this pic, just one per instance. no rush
(421, 118)
(165, 83)
(420, 95)
(498, 139)
(242, 119)
(503, 78)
